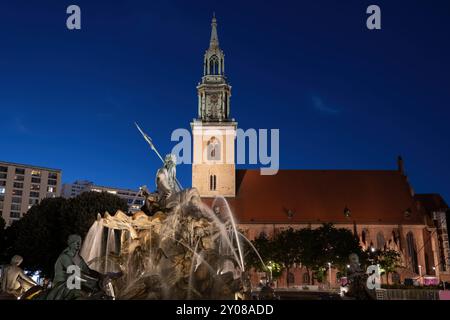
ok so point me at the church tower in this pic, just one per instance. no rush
(214, 132)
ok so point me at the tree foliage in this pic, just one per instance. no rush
(312, 248)
(41, 235)
(2, 239)
(388, 260)
(264, 248)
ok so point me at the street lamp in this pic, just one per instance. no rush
(420, 273)
(270, 270)
(329, 272)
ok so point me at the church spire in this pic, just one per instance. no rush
(214, 42)
(214, 92)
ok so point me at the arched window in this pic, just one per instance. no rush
(213, 149)
(306, 278)
(365, 236)
(212, 182)
(291, 278)
(380, 240)
(427, 264)
(214, 65)
(395, 278)
(412, 251)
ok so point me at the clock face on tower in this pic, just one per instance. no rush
(214, 99)
(213, 107)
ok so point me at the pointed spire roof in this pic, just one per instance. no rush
(214, 42)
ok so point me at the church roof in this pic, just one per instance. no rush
(318, 196)
(432, 202)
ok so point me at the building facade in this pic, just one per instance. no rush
(378, 206)
(22, 186)
(134, 199)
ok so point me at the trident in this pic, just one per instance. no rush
(152, 146)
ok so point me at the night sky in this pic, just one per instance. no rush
(342, 96)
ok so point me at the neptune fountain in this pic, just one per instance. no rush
(178, 247)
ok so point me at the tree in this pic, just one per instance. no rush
(313, 248)
(309, 250)
(264, 247)
(2, 239)
(325, 245)
(42, 233)
(389, 260)
(286, 249)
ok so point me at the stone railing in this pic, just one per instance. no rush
(407, 294)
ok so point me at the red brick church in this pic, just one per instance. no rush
(379, 206)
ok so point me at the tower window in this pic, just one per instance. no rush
(214, 65)
(212, 182)
(213, 149)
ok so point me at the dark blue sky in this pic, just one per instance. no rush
(342, 96)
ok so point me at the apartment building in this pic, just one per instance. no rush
(132, 197)
(22, 186)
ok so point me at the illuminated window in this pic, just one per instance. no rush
(96, 190)
(35, 187)
(112, 191)
(51, 189)
(35, 173)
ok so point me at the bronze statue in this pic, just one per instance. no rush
(89, 279)
(13, 280)
(357, 279)
(169, 193)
